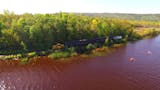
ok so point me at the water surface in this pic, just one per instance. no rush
(135, 66)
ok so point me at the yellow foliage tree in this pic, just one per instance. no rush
(94, 24)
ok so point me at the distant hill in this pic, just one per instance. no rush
(145, 17)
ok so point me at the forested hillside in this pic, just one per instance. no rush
(142, 17)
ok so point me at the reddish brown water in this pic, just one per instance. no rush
(135, 66)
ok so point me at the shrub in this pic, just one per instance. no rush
(58, 46)
(71, 49)
(89, 47)
(31, 54)
(106, 43)
(24, 60)
(19, 55)
(59, 54)
(154, 32)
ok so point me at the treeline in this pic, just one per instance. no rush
(28, 32)
(137, 17)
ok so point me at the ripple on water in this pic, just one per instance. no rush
(111, 72)
(34, 78)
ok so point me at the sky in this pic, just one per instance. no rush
(82, 6)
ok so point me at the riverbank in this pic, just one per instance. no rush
(88, 73)
(91, 50)
(39, 61)
(61, 55)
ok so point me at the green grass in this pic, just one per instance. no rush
(59, 54)
(147, 32)
(24, 60)
(31, 54)
(63, 54)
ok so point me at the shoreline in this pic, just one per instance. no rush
(94, 52)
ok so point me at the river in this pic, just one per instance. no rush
(135, 66)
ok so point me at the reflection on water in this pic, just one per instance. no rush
(135, 66)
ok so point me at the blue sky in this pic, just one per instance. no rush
(99, 6)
